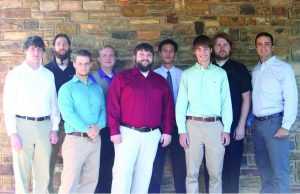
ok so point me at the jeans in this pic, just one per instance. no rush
(272, 156)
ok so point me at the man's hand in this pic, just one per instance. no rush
(281, 133)
(184, 140)
(225, 138)
(116, 139)
(16, 141)
(53, 137)
(93, 132)
(239, 133)
(165, 139)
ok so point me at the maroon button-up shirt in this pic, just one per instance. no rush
(140, 101)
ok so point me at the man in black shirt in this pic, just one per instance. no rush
(63, 70)
(240, 90)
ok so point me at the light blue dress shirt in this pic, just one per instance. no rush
(175, 75)
(81, 105)
(204, 93)
(275, 90)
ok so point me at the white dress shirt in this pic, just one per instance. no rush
(31, 93)
(175, 75)
(275, 90)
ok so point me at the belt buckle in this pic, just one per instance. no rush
(143, 129)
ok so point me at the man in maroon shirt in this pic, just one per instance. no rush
(139, 102)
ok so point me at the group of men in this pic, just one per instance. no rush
(137, 115)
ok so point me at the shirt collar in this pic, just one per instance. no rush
(136, 71)
(267, 63)
(165, 70)
(75, 79)
(201, 68)
(28, 68)
(102, 74)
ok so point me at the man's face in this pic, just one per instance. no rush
(264, 47)
(82, 65)
(107, 58)
(167, 54)
(62, 48)
(33, 54)
(221, 49)
(144, 60)
(203, 54)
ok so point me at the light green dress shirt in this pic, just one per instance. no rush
(203, 93)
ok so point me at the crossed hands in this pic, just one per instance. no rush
(93, 132)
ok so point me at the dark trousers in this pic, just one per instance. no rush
(107, 156)
(231, 165)
(178, 166)
(54, 153)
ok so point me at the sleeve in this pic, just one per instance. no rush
(226, 109)
(168, 111)
(181, 105)
(246, 80)
(113, 105)
(290, 96)
(9, 101)
(55, 114)
(66, 107)
(102, 116)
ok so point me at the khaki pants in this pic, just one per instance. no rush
(204, 135)
(81, 162)
(134, 158)
(36, 150)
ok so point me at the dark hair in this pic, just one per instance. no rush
(61, 35)
(202, 40)
(224, 36)
(168, 41)
(143, 46)
(264, 34)
(36, 41)
(109, 46)
(83, 53)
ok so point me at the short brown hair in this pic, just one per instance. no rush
(224, 36)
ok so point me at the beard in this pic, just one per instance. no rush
(64, 56)
(223, 57)
(143, 68)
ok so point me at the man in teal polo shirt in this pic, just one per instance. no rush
(82, 106)
(204, 116)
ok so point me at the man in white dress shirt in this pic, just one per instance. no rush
(275, 101)
(31, 117)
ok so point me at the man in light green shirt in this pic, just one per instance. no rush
(204, 116)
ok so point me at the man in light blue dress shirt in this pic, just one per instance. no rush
(82, 106)
(275, 100)
(167, 52)
(204, 116)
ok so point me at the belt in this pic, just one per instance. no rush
(33, 118)
(204, 119)
(140, 129)
(79, 134)
(264, 118)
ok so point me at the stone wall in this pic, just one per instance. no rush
(124, 23)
